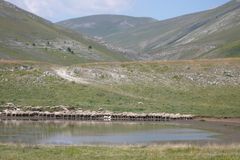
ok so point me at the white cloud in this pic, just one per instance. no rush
(60, 9)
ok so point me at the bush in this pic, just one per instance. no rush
(70, 50)
(90, 47)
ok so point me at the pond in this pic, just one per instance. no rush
(81, 133)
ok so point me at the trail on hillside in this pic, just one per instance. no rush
(67, 75)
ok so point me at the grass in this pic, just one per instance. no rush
(231, 50)
(209, 101)
(21, 88)
(215, 102)
(32, 88)
(167, 152)
(41, 55)
(18, 25)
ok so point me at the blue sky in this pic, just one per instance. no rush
(56, 10)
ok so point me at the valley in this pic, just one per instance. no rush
(206, 34)
(110, 86)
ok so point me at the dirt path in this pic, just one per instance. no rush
(68, 75)
(65, 74)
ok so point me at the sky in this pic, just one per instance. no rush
(57, 10)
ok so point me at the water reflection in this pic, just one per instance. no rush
(72, 132)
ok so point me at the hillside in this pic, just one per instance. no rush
(201, 87)
(207, 34)
(105, 25)
(34, 52)
(25, 36)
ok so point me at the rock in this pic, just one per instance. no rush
(79, 110)
(227, 74)
(10, 106)
(24, 68)
(36, 109)
(100, 109)
(64, 108)
(47, 73)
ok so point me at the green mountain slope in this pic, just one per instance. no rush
(105, 25)
(25, 36)
(186, 37)
(207, 34)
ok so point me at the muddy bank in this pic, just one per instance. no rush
(223, 120)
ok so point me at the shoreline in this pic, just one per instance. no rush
(223, 120)
(81, 115)
(110, 117)
(11, 111)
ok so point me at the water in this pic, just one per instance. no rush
(77, 133)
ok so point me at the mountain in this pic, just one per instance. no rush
(25, 36)
(200, 87)
(208, 34)
(105, 25)
(204, 34)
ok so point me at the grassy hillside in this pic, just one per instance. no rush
(208, 34)
(33, 52)
(104, 25)
(26, 36)
(185, 37)
(199, 35)
(204, 88)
